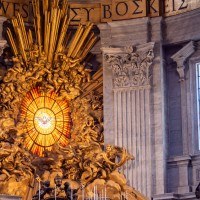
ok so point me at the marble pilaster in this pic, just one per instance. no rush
(183, 181)
(180, 58)
(130, 71)
(158, 111)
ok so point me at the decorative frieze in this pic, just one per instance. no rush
(131, 67)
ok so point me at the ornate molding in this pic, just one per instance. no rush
(180, 58)
(130, 67)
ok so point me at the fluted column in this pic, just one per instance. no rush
(130, 67)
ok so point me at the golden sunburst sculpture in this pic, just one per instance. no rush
(47, 75)
(47, 121)
(49, 58)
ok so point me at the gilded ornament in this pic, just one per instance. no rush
(38, 135)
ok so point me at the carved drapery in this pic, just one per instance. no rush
(132, 67)
(131, 74)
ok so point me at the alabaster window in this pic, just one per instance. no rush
(193, 102)
(193, 98)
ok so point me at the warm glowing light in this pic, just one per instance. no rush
(47, 121)
(44, 121)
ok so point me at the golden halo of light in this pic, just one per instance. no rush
(47, 121)
(44, 121)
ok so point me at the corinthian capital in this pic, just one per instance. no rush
(130, 66)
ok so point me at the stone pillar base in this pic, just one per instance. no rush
(184, 189)
(173, 196)
(8, 197)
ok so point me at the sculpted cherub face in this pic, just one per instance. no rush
(48, 65)
(108, 148)
(90, 121)
(43, 53)
(35, 47)
(30, 68)
(74, 72)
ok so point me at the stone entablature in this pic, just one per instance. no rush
(99, 11)
(8, 197)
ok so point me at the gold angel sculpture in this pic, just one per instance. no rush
(48, 56)
(48, 72)
(49, 59)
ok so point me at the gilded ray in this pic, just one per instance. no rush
(45, 123)
(48, 72)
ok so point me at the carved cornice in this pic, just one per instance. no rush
(180, 58)
(130, 65)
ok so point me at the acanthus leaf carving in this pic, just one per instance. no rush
(122, 81)
(131, 67)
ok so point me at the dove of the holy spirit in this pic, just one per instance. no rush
(44, 121)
